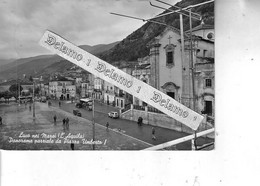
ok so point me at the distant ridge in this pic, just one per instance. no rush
(36, 65)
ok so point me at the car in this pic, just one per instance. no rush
(113, 115)
(77, 113)
(78, 105)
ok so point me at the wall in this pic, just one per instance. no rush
(160, 120)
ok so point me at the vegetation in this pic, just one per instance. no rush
(135, 45)
(14, 89)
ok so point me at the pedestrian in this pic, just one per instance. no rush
(1, 120)
(64, 124)
(72, 146)
(107, 125)
(153, 134)
(54, 118)
(59, 103)
(30, 107)
(67, 123)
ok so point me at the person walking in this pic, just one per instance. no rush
(59, 103)
(64, 123)
(72, 146)
(54, 118)
(67, 123)
(107, 125)
(1, 120)
(153, 134)
(30, 108)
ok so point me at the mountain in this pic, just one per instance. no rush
(40, 65)
(5, 61)
(21, 61)
(129, 49)
(134, 45)
(96, 49)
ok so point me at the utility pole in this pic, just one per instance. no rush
(33, 101)
(93, 120)
(192, 64)
(19, 95)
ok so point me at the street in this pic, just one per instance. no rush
(20, 131)
(131, 128)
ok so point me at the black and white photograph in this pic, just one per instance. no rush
(140, 75)
(129, 92)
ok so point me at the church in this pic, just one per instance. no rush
(186, 76)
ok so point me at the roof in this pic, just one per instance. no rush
(86, 99)
(202, 27)
(194, 37)
(155, 40)
(60, 78)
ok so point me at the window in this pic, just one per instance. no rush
(204, 53)
(169, 49)
(169, 59)
(208, 83)
(210, 35)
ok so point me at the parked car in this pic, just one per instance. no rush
(76, 113)
(113, 115)
(78, 105)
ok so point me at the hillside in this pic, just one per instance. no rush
(134, 45)
(5, 61)
(44, 64)
(96, 49)
(129, 49)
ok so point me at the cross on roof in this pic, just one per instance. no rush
(169, 39)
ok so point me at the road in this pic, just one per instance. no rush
(130, 128)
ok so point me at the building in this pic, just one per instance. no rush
(61, 88)
(114, 95)
(142, 71)
(98, 88)
(169, 69)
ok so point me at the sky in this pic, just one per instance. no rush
(82, 22)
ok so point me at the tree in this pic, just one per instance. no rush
(14, 89)
(37, 90)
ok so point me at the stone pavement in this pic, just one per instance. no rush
(21, 132)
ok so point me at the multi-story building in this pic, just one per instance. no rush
(114, 95)
(62, 88)
(98, 88)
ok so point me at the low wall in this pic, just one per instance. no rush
(161, 120)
